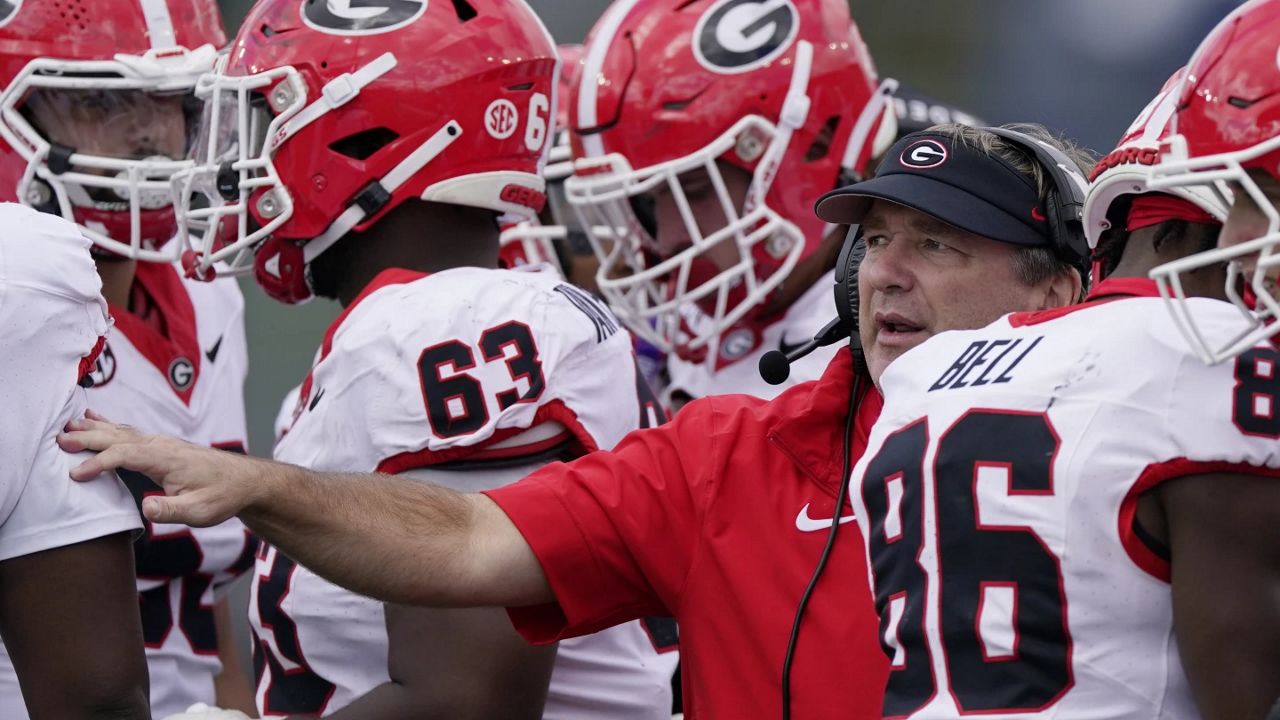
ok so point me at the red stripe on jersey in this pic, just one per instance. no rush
(1143, 556)
(87, 362)
(553, 411)
(1105, 291)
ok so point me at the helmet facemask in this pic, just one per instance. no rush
(683, 299)
(101, 140)
(232, 172)
(1253, 266)
(652, 291)
(232, 199)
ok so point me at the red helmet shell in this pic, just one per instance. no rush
(1231, 98)
(492, 72)
(664, 78)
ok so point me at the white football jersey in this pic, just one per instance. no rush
(187, 382)
(999, 489)
(448, 372)
(736, 369)
(52, 321)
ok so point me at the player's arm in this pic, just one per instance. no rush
(231, 685)
(69, 619)
(386, 537)
(459, 664)
(1224, 541)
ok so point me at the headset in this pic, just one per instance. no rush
(1063, 203)
(1064, 214)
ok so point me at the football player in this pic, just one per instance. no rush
(68, 607)
(366, 157)
(95, 115)
(1226, 142)
(1120, 212)
(703, 133)
(1067, 512)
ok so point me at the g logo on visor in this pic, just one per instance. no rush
(9, 10)
(924, 154)
(735, 36)
(359, 17)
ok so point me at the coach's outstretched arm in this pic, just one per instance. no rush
(390, 538)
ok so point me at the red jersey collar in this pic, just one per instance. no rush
(386, 278)
(175, 352)
(810, 426)
(1124, 287)
(1105, 291)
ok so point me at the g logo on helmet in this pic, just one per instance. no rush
(736, 36)
(924, 154)
(9, 10)
(359, 17)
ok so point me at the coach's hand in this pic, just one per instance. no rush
(203, 486)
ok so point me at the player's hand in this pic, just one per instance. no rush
(200, 711)
(204, 486)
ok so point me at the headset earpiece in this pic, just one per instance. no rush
(1064, 203)
(846, 290)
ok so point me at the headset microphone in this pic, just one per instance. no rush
(775, 366)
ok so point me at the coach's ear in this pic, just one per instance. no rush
(1063, 289)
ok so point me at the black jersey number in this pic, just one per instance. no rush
(176, 558)
(456, 403)
(975, 561)
(293, 686)
(173, 559)
(1256, 401)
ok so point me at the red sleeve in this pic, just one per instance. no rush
(615, 532)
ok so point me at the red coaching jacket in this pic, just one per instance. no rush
(718, 518)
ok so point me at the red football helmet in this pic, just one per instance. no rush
(1228, 123)
(530, 242)
(92, 112)
(783, 90)
(1125, 170)
(324, 117)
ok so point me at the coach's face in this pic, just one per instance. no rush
(922, 277)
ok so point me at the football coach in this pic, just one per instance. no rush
(720, 517)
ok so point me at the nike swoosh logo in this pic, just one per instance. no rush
(212, 353)
(316, 400)
(804, 523)
(785, 347)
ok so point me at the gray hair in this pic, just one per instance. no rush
(1032, 265)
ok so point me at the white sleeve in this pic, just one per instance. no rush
(52, 320)
(1224, 417)
(51, 510)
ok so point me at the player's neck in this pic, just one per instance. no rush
(420, 236)
(117, 279)
(1141, 254)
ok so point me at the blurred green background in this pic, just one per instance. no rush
(1083, 67)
